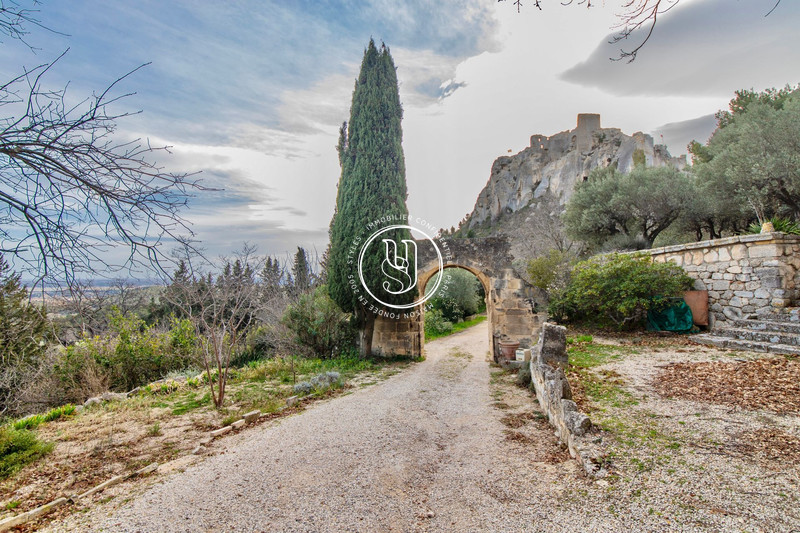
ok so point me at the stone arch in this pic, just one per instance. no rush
(510, 306)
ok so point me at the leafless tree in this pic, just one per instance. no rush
(70, 190)
(634, 15)
(221, 311)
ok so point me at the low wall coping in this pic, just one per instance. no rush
(761, 238)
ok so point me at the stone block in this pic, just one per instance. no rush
(744, 294)
(735, 269)
(711, 256)
(238, 424)
(780, 302)
(724, 254)
(738, 251)
(221, 431)
(764, 250)
(252, 416)
(720, 285)
(553, 343)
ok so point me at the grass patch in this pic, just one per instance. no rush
(33, 421)
(460, 326)
(190, 402)
(585, 353)
(18, 447)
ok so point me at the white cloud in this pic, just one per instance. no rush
(708, 47)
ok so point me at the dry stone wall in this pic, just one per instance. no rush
(744, 275)
(548, 364)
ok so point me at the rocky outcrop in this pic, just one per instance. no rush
(552, 166)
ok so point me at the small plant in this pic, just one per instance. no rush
(194, 382)
(783, 225)
(230, 419)
(19, 448)
(155, 429)
(11, 505)
(304, 387)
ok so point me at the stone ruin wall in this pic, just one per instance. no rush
(509, 300)
(548, 363)
(744, 275)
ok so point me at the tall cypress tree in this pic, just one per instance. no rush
(372, 184)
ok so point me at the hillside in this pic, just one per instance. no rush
(527, 192)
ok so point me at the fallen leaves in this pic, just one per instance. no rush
(771, 384)
(769, 444)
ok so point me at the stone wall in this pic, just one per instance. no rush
(548, 363)
(394, 336)
(509, 299)
(744, 275)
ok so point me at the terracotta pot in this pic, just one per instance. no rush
(508, 350)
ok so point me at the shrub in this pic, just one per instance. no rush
(304, 387)
(131, 355)
(18, 448)
(550, 272)
(435, 324)
(319, 325)
(618, 290)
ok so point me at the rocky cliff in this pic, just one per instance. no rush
(551, 166)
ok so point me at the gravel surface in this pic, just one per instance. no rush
(452, 445)
(424, 450)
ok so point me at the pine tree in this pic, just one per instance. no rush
(23, 333)
(372, 183)
(301, 271)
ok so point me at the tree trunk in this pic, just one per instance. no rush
(365, 336)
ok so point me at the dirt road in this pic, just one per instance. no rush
(422, 451)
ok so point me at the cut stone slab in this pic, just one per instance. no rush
(238, 424)
(221, 431)
(251, 417)
(292, 401)
(102, 486)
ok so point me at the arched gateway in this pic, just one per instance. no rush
(509, 299)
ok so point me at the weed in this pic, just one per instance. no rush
(11, 505)
(155, 429)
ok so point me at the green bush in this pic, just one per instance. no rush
(319, 325)
(18, 448)
(617, 290)
(436, 325)
(131, 355)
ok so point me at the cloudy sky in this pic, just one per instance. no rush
(252, 93)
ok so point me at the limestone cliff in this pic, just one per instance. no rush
(551, 167)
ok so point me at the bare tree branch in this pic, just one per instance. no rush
(69, 191)
(635, 15)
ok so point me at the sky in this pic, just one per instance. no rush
(251, 93)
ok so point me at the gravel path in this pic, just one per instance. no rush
(422, 451)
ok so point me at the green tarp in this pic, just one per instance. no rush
(677, 317)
